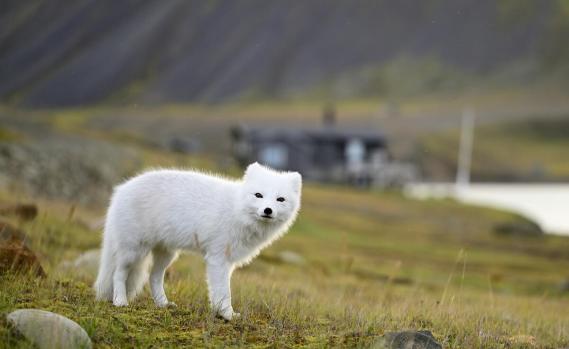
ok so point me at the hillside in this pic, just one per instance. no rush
(364, 264)
(530, 151)
(62, 53)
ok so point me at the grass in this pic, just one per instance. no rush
(497, 100)
(374, 263)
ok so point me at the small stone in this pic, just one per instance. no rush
(409, 340)
(88, 261)
(291, 257)
(96, 224)
(49, 330)
(564, 286)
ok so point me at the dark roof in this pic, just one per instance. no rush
(330, 133)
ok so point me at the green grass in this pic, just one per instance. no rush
(375, 262)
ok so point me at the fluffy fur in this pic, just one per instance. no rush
(154, 215)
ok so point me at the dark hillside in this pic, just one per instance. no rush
(62, 52)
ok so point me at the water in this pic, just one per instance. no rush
(546, 204)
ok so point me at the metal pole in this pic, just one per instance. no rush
(465, 150)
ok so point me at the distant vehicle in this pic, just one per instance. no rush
(323, 154)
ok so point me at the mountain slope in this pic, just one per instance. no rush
(61, 52)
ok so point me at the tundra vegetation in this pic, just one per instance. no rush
(356, 265)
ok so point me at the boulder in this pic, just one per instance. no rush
(564, 286)
(86, 265)
(519, 227)
(15, 255)
(93, 224)
(291, 257)
(96, 224)
(409, 340)
(49, 330)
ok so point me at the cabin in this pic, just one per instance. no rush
(323, 154)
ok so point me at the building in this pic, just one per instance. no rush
(324, 154)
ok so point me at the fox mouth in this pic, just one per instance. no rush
(267, 216)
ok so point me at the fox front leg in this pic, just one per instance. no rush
(219, 283)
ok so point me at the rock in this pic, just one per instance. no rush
(93, 224)
(564, 286)
(409, 340)
(15, 255)
(520, 227)
(372, 275)
(96, 224)
(86, 265)
(291, 257)
(49, 330)
(25, 212)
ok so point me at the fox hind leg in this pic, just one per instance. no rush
(162, 260)
(129, 270)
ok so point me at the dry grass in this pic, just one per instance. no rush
(373, 263)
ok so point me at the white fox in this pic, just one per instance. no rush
(160, 212)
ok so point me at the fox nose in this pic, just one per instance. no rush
(268, 211)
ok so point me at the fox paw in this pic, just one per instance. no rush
(167, 304)
(120, 303)
(229, 315)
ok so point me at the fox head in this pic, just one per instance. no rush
(270, 197)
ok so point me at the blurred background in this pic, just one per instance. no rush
(397, 113)
(368, 93)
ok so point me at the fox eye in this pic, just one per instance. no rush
(280, 199)
(259, 195)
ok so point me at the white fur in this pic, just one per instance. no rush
(161, 212)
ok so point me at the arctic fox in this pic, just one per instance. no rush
(160, 212)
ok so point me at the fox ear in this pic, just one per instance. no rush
(296, 180)
(252, 168)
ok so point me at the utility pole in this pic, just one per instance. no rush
(465, 150)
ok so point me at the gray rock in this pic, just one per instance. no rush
(521, 227)
(48, 330)
(291, 257)
(88, 261)
(564, 286)
(408, 340)
(96, 224)
(86, 265)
